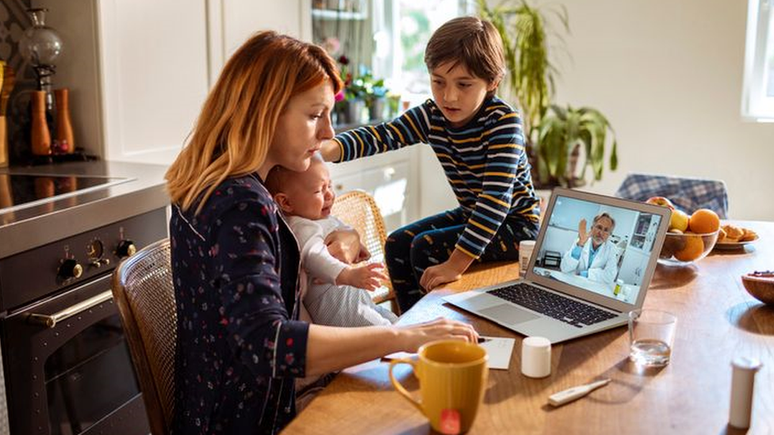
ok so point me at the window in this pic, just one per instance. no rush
(409, 25)
(758, 92)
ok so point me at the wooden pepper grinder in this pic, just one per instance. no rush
(41, 137)
(64, 142)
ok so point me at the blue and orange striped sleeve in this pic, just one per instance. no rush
(408, 129)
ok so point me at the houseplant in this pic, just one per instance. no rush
(563, 136)
(571, 133)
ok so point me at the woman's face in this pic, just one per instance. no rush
(458, 93)
(302, 127)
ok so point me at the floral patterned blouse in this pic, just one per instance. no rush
(240, 343)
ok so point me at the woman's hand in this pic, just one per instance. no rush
(414, 336)
(344, 245)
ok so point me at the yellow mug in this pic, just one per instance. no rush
(452, 379)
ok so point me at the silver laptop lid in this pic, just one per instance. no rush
(627, 237)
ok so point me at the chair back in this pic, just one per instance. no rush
(688, 194)
(359, 210)
(144, 293)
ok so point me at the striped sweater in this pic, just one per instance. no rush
(484, 161)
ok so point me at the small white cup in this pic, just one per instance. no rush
(536, 357)
(525, 252)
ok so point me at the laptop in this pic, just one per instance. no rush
(561, 297)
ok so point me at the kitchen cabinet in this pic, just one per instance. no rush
(139, 70)
(390, 178)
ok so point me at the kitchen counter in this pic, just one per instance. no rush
(27, 227)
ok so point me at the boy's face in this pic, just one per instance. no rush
(308, 194)
(458, 93)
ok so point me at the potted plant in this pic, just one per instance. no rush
(350, 107)
(524, 30)
(563, 135)
(374, 94)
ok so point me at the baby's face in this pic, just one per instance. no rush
(310, 194)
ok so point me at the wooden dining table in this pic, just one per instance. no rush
(717, 322)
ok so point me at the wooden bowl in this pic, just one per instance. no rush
(760, 285)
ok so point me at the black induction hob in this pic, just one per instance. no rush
(19, 191)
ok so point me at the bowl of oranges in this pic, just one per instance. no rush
(690, 237)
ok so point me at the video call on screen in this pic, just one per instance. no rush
(619, 257)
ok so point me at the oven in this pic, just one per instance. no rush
(66, 363)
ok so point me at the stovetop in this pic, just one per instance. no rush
(45, 204)
(18, 191)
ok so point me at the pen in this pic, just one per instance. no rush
(483, 340)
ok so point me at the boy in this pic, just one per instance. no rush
(479, 142)
(335, 295)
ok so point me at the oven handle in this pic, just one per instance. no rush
(51, 320)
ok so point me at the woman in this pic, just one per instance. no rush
(236, 264)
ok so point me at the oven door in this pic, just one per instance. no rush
(70, 371)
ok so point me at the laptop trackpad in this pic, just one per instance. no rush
(508, 314)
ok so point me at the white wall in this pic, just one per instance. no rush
(668, 74)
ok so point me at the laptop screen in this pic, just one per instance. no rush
(597, 247)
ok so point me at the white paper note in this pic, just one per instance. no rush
(499, 350)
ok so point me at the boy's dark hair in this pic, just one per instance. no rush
(472, 42)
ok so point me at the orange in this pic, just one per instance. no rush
(704, 221)
(692, 249)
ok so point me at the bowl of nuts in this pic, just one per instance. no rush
(760, 285)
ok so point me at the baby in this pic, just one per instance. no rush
(335, 295)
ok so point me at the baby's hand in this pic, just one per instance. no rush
(367, 276)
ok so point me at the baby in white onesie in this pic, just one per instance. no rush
(337, 292)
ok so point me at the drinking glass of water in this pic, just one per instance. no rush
(651, 334)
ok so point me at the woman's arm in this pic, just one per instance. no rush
(331, 348)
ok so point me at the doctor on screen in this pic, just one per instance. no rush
(592, 255)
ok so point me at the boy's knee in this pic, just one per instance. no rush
(398, 240)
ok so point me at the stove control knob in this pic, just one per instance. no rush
(70, 269)
(126, 248)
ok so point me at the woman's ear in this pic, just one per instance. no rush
(284, 202)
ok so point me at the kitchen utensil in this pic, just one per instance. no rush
(64, 143)
(8, 82)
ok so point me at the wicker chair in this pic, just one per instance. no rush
(144, 293)
(359, 210)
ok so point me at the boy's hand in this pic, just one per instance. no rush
(439, 274)
(368, 276)
(448, 271)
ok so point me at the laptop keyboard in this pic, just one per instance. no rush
(551, 304)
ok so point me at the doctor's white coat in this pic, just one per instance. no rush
(603, 269)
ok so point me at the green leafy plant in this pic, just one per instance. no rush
(567, 135)
(524, 30)
(524, 34)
